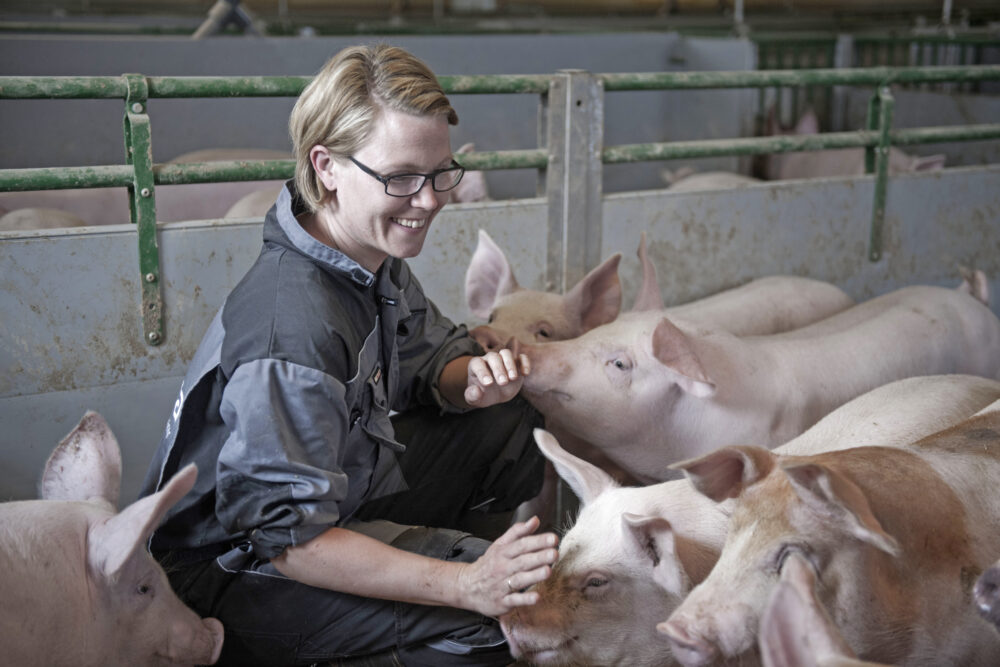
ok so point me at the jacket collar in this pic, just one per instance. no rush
(281, 226)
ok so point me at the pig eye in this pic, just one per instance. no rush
(621, 364)
(784, 552)
(544, 331)
(596, 582)
(143, 589)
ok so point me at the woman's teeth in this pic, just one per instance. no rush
(412, 224)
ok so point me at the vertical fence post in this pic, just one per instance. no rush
(571, 126)
(142, 204)
(575, 138)
(877, 160)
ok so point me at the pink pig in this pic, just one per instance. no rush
(79, 587)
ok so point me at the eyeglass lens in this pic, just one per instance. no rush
(408, 184)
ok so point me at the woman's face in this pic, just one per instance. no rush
(363, 221)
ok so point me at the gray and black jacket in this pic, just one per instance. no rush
(285, 406)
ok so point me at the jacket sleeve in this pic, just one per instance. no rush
(427, 341)
(279, 473)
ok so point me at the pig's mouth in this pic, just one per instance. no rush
(552, 395)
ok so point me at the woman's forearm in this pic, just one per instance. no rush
(349, 562)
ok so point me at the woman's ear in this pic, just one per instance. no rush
(324, 165)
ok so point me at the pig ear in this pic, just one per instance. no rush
(648, 297)
(673, 349)
(725, 472)
(488, 277)
(975, 284)
(837, 498)
(86, 464)
(795, 628)
(112, 543)
(587, 480)
(655, 537)
(808, 123)
(598, 296)
(928, 162)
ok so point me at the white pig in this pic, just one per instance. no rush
(688, 180)
(626, 538)
(795, 630)
(24, 219)
(473, 186)
(648, 390)
(79, 587)
(896, 536)
(840, 161)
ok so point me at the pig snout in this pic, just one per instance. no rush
(536, 636)
(986, 593)
(197, 643)
(689, 649)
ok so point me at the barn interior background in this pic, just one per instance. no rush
(576, 110)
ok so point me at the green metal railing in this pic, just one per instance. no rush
(141, 175)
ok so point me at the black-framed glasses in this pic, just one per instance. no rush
(407, 185)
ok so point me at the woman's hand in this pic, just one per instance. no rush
(495, 377)
(495, 583)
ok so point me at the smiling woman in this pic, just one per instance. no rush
(313, 496)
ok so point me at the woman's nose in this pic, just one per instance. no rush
(426, 197)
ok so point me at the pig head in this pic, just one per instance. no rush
(893, 536)
(620, 568)
(493, 294)
(79, 586)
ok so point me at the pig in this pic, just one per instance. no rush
(896, 536)
(795, 630)
(634, 553)
(765, 305)
(191, 201)
(254, 205)
(473, 186)
(836, 162)
(649, 390)
(79, 586)
(987, 594)
(688, 180)
(24, 219)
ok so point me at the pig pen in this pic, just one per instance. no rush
(71, 310)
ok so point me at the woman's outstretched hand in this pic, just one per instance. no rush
(495, 583)
(495, 377)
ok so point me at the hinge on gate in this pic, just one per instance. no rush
(142, 204)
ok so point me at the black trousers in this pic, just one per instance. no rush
(463, 471)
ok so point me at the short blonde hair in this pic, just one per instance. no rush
(339, 106)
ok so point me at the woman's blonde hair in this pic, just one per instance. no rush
(339, 106)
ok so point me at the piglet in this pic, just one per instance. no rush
(78, 585)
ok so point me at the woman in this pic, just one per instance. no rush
(305, 531)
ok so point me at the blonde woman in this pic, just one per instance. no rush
(307, 532)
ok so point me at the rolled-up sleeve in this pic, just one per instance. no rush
(280, 477)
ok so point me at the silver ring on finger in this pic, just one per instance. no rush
(510, 587)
